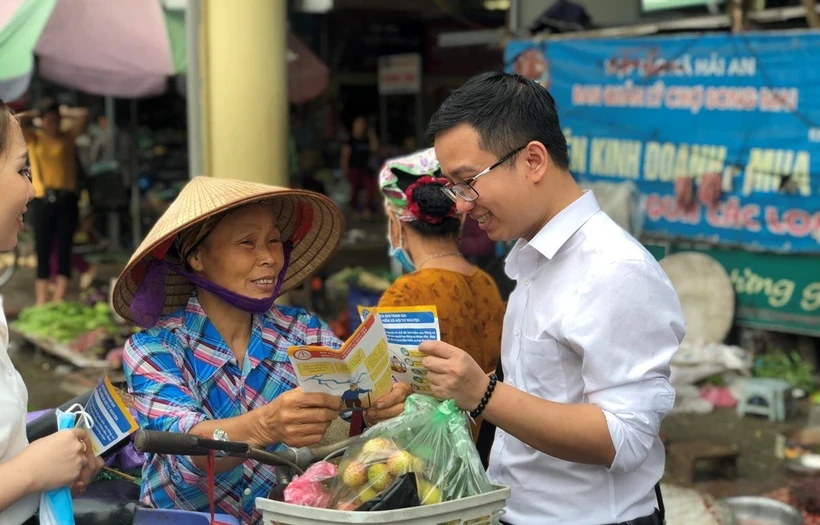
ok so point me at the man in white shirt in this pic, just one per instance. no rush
(589, 330)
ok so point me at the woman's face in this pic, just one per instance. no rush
(531, 64)
(243, 253)
(51, 123)
(16, 185)
(359, 127)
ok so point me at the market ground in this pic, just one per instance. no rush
(51, 383)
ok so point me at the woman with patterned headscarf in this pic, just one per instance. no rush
(423, 232)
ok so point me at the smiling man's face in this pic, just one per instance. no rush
(503, 193)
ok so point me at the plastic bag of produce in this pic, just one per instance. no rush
(429, 444)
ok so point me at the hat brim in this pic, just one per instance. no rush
(318, 244)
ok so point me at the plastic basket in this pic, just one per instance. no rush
(475, 510)
(360, 297)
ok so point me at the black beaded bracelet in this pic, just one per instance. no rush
(487, 395)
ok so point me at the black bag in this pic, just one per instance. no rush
(402, 494)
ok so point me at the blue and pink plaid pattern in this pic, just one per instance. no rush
(181, 373)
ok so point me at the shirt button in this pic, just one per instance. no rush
(526, 281)
(247, 492)
(517, 332)
(512, 383)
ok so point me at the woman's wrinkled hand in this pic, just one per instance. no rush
(297, 418)
(389, 405)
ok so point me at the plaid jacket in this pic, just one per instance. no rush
(181, 373)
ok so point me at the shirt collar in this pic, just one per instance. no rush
(212, 353)
(549, 240)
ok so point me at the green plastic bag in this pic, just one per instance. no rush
(430, 439)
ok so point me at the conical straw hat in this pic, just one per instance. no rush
(318, 220)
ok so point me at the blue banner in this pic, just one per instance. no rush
(687, 116)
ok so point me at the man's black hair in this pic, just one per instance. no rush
(507, 111)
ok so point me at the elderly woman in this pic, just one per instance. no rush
(213, 361)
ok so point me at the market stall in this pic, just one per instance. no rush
(84, 333)
(89, 46)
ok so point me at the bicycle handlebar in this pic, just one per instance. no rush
(153, 441)
(175, 444)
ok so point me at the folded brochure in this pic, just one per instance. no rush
(112, 422)
(358, 372)
(406, 327)
(364, 367)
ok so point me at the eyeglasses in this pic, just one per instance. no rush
(465, 188)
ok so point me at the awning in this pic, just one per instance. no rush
(122, 48)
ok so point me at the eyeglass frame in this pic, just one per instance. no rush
(448, 189)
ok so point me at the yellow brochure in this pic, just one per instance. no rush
(406, 327)
(358, 372)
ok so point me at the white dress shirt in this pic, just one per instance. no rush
(593, 319)
(14, 403)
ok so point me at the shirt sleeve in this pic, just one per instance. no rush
(162, 398)
(626, 337)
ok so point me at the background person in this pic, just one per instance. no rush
(355, 164)
(423, 231)
(54, 166)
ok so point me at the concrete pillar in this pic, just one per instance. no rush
(244, 90)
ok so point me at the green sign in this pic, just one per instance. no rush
(779, 292)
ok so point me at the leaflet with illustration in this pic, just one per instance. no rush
(358, 372)
(112, 422)
(406, 327)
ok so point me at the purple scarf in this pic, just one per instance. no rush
(149, 301)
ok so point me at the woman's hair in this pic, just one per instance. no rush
(434, 204)
(5, 126)
(189, 240)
